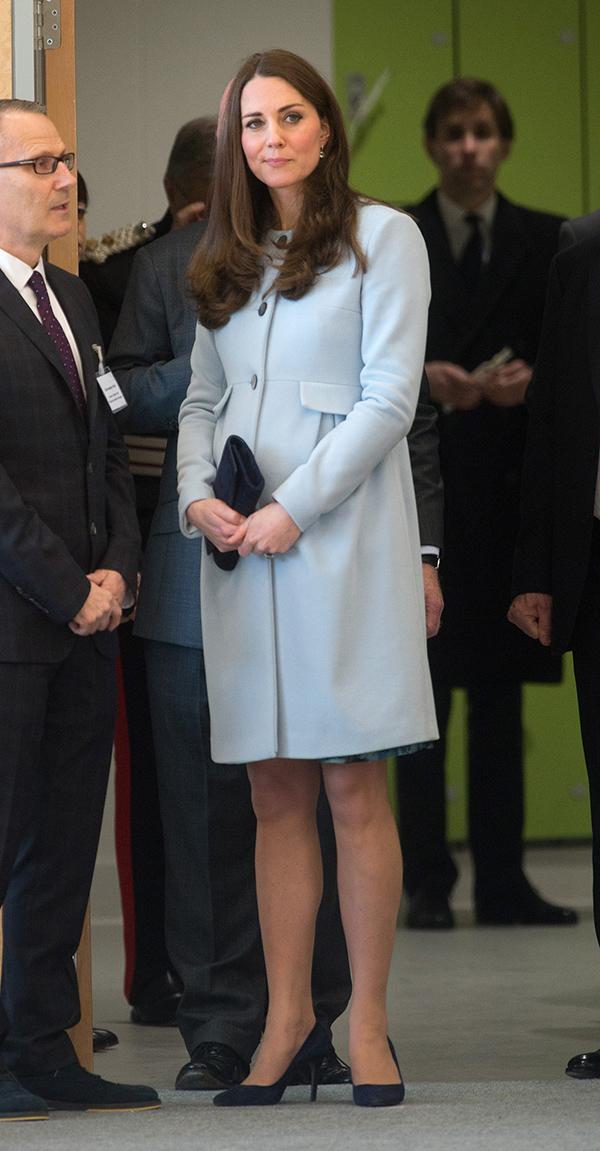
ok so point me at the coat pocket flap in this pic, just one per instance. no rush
(338, 399)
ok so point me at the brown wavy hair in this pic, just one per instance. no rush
(228, 265)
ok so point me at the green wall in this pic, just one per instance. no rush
(544, 55)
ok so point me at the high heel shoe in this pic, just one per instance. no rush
(380, 1094)
(254, 1095)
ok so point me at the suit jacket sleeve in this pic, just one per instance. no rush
(153, 379)
(35, 560)
(122, 552)
(533, 555)
(423, 446)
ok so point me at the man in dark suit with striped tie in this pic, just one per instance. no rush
(69, 549)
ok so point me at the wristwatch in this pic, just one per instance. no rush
(431, 559)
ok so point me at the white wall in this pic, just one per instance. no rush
(144, 67)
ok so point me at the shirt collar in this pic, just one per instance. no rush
(452, 213)
(17, 271)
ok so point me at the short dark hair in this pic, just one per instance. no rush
(467, 92)
(82, 192)
(191, 158)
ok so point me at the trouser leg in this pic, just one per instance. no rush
(211, 918)
(51, 877)
(140, 855)
(496, 789)
(586, 661)
(428, 865)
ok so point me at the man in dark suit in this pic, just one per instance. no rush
(557, 559)
(489, 262)
(69, 550)
(209, 828)
(151, 987)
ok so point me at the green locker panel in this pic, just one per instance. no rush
(591, 24)
(531, 51)
(414, 40)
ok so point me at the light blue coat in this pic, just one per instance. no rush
(320, 652)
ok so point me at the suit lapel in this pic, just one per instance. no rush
(467, 312)
(13, 304)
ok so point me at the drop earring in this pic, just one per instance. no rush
(321, 153)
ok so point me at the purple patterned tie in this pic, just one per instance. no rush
(57, 335)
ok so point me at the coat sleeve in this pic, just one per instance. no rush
(394, 300)
(423, 445)
(152, 378)
(532, 571)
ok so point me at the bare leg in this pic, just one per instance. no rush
(289, 884)
(369, 883)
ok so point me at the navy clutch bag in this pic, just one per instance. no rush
(239, 483)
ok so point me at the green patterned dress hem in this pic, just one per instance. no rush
(387, 753)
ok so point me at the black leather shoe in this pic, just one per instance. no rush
(16, 1102)
(528, 910)
(212, 1066)
(72, 1088)
(103, 1039)
(158, 1003)
(330, 1071)
(429, 912)
(585, 1066)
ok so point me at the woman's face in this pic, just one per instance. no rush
(282, 136)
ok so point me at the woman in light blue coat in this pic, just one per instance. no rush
(313, 311)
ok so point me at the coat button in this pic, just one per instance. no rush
(262, 309)
(90, 468)
(93, 529)
(253, 382)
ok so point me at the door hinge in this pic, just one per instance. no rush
(47, 24)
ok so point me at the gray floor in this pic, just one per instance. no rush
(483, 1020)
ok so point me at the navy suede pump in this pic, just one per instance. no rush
(254, 1095)
(380, 1094)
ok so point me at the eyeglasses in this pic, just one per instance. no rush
(44, 165)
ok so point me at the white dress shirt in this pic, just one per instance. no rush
(458, 229)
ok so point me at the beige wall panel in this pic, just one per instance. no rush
(61, 105)
(5, 49)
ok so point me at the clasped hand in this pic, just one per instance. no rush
(269, 531)
(102, 609)
(453, 387)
